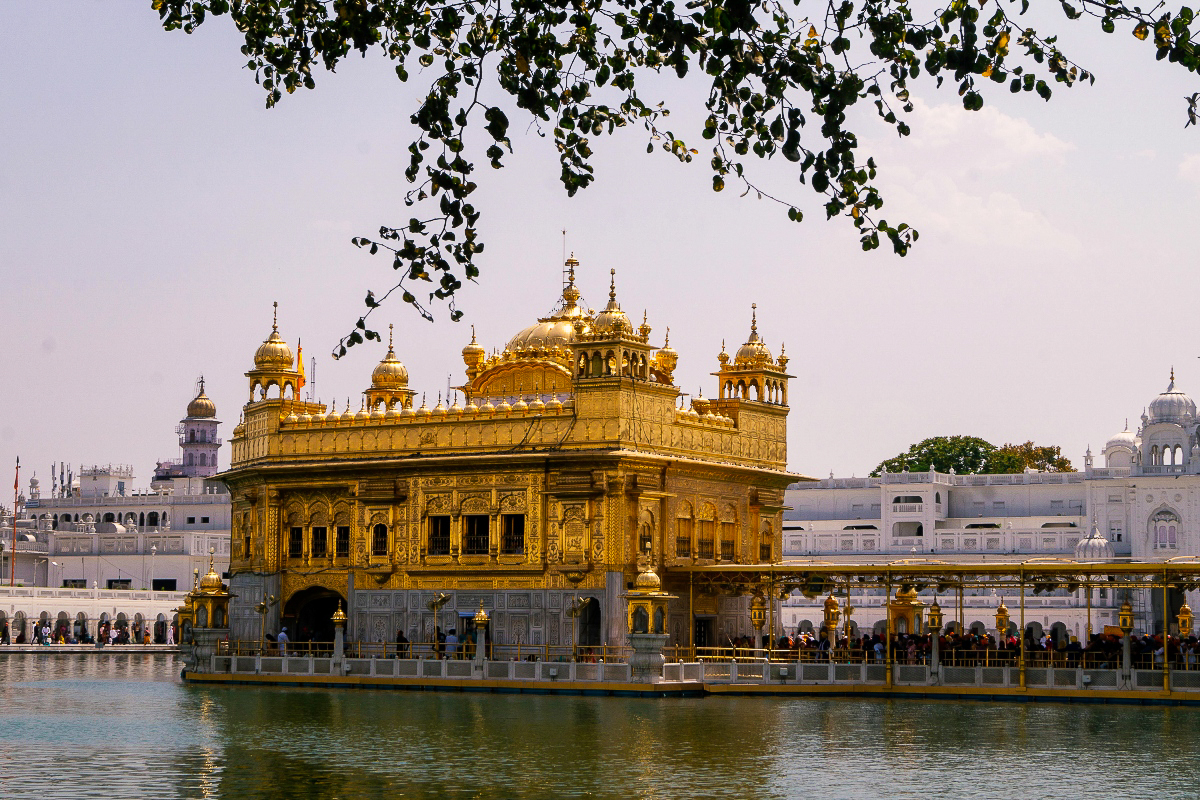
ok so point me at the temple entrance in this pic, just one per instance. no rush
(308, 615)
(589, 624)
(704, 632)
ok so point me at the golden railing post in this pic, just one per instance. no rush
(1166, 633)
(691, 615)
(887, 627)
(1021, 669)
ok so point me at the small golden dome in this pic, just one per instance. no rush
(505, 407)
(423, 411)
(754, 353)
(520, 406)
(201, 406)
(555, 404)
(648, 580)
(908, 595)
(273, 353)
(831, 603)
(390, 373)
(339, 616)
(612, 320)
(211, 582)
(537, 405)
(473, 353)
(440, 409)
(481, 617)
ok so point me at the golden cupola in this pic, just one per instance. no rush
(753, 374)
(391, 373)
(473, 355)
(273, 353)
(754, 354)
(273, 366)
(612, 321)
(389, 381)
(201, 406)
(665, 361)
(558, 329)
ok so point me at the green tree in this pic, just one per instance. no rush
(963, 454)
(967, 454)
(1017, 457)
(784, 78)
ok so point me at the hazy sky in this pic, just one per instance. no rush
(151, 209)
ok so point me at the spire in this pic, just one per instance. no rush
(612, 292)
(667, 337)
(754, 317)
(391, 352)
(275, 317)
(1171, 386)
(472, 335)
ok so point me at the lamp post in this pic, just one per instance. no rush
(1125, 623)
(1185, 619)
(1002, 618)
(832, 614)
(758, 615)
(481, 623)
(933, 627)
(153, 553)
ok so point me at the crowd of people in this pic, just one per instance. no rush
(1104, 651)
(108, 633)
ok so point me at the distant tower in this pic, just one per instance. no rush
(198, 436)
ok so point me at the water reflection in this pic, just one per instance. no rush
(127, 728)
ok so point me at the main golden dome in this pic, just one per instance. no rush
(273, 353)
(557, 329)
(201, 405)
(390, 373)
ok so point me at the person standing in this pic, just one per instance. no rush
(452, 644)
(282, 640)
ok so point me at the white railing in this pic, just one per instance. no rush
(908, 508)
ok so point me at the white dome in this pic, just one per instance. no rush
(1123, 439)
(1094, 548)
(1172, 406)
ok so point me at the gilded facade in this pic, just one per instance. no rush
(569, 453)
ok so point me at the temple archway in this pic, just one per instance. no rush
(308, 614)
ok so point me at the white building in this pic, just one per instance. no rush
(105, 550)
(1144, 504)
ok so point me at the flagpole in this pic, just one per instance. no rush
(12, 555)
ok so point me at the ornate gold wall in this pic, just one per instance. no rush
(360, 502)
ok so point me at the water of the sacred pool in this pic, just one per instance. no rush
(117, 726)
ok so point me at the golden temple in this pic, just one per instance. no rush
(571, 455)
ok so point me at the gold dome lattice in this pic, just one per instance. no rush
(273, 353)
(390, 373)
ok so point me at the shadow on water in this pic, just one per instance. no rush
(131, 729)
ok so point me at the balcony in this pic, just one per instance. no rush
(908, 508)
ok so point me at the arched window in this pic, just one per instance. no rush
(192, 435)
(379, 540)
(683, 531)
(190, 459)
(1178, 455)
(152, 519)
(1164, 526)
(142, 519)
(204, 459)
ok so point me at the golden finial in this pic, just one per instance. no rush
(722, 345)
(612, 284)
(275, 317)
(754, 317)
(472, 334)
(667, 337)
(645, 316)
(1172, 373)
(389, 337)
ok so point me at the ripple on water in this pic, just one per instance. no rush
(118, 727)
